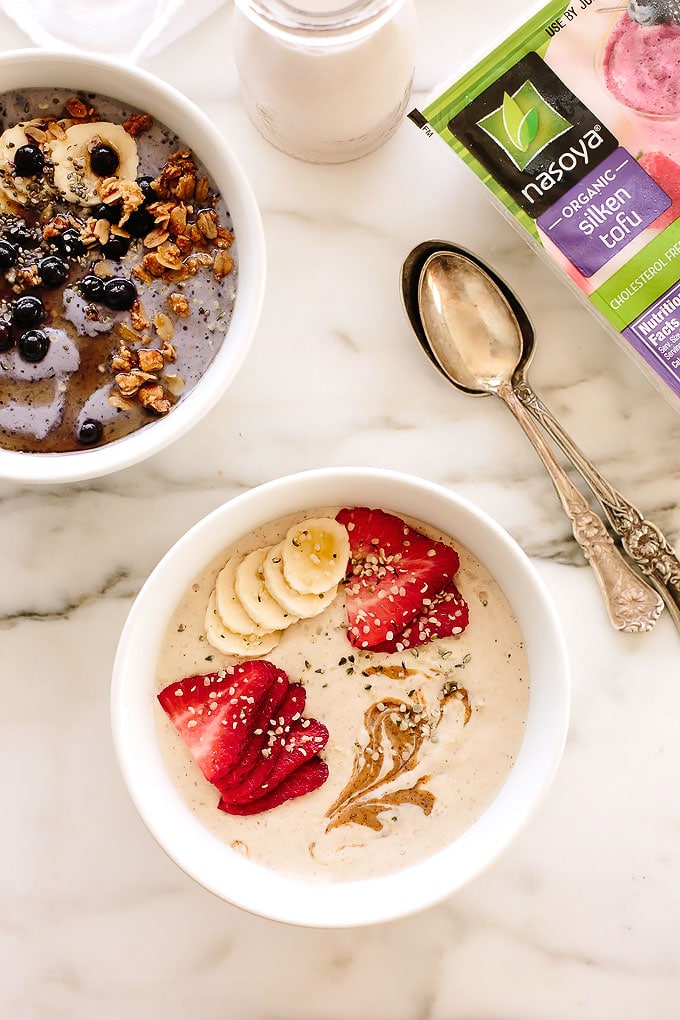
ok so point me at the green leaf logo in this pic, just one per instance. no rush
(521, 128)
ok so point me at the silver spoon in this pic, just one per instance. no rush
(641, 539)
(475, 337)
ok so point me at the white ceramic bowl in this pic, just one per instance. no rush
(255, 888)
(27, 68)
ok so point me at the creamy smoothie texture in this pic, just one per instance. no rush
(642, 66)
(117, 270)
(419, 740)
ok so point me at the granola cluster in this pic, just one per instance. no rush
(184, 237)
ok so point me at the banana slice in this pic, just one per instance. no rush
(315, 554)
(303, 606)
(14, 189)
(230, 643)
(74, 177)
(254, 596)
(228, 605)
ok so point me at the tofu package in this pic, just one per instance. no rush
(572, 124)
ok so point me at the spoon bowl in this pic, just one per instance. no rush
(410, 281)
(468, 322)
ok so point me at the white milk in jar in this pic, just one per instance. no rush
(323, 82)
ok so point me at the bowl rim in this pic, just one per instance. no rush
(143, 89)
(287, 898)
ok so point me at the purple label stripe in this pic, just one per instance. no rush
(604, 212)
(655, 335)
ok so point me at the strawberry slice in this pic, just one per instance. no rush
(251, 753)
(306, 778)
(302, 741)
(448, 614)
(215, 713)
(394, 573)
(275, 727)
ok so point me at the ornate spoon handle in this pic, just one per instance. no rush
(631, 604)
(643, 541)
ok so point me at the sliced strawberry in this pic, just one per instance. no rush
(446, 615)
(214, 713)
(393, 571)
(666, 173)
(251, 753)
(275, 728)
(303, 740)
(306, 778)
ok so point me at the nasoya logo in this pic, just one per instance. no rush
(532, 134)
(524, 124)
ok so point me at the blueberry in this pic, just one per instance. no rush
(107, 212)
(9, 256)
(33, 345)
(116, 246)
(145, 183)
(6, 339)
(139, 223)
(69, 243)
(53, 271)
(92, 288)
(646, 12)
(119, 294)
(28, 161)
(27, 311)
(23, 237)
(104, 160)
(90, 431)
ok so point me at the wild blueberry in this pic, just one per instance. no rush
(116, 246)
(28, 161)
(107, 212)
(34, 345)
(147, 190)
(119, 294)
(9, 255)
(53, 271)
(23, 237)
(90, 431)
(646, 12)
(27, 310)
(139, 223)
(6, 339)
(92, 288)
(104, 160)
(69, 243)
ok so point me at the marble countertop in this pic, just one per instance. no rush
(579, 918)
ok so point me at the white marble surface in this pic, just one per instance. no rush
(580, 916)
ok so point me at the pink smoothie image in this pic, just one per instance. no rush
(641, 61)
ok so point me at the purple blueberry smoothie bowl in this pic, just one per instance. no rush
(131, 266)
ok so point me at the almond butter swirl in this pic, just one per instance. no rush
(396, 731)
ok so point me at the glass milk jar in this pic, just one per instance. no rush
(325, 80)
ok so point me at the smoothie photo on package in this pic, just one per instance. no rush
(573, 125)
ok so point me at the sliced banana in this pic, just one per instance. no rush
(315, 554)
(254, 596)
(229, 606)
(230, 643)
(303, 606)
(14, 189)
(74, 178)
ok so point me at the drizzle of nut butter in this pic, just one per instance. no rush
(397, 731)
